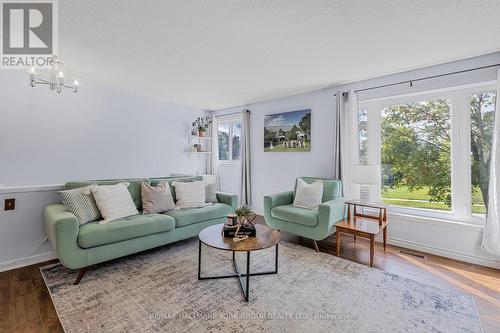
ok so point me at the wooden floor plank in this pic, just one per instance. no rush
(7, 321)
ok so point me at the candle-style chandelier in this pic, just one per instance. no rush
(56, 80)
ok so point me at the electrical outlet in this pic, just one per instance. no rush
(10, 204)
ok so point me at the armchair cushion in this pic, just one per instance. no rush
(332, 189)
(290, 213)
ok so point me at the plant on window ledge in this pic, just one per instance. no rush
(201, 124)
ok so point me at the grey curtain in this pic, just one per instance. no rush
(245, 176)
(337, 161)
(491, 237)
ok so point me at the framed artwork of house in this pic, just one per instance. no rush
(288, 131)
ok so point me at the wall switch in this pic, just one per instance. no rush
(10, 204)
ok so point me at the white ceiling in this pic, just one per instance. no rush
(221, 53)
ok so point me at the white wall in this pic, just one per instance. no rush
(275, 172)
(99, 133)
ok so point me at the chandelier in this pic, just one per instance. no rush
(56, 80)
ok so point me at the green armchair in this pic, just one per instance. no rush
(315, 224)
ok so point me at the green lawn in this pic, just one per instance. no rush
(281, 149)
(421, 199)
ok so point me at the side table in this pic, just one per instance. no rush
(363, 225)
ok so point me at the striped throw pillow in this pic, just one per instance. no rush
(80, 202)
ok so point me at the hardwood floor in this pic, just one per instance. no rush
(27, 307)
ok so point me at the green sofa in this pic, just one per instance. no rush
(315, 224)
(81, 246)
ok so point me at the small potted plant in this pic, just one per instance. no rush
(202, 123)
(245, 216)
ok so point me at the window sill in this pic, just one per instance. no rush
(450, 221)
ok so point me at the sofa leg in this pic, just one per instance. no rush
(315, 246)
(81, 273)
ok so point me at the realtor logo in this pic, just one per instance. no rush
(29, 33)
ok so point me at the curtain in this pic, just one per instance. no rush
(337, 156)
(245, 176)
(213, 161)
(491, 237)
(347, 119)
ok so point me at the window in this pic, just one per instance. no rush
(229, 139)
(363, 135)
(416, 155)
(433, 148)
(482, 117)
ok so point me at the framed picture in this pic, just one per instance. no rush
(288, 131)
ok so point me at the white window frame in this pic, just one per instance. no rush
(228, 120)
(459, 97)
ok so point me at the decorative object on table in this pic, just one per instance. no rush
(245, 216)
(288, 131)
(56, 80)
(363, 225)
(241, 223)
(232, 219)
(366, 175)
(201, 124)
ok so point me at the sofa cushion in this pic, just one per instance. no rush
(94, 234)
(290, 213)
(170, 180)
(134, 187)
(184, 217)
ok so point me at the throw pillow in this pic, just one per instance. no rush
(156, 199)
(308, 195)
(114, 201)
(190, 195)
(81, 203)
(210, 195)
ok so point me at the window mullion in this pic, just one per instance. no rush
(460, 156)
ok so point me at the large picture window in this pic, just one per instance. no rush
(433, 150)
(416, 155)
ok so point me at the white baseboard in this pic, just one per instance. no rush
(21, 262)
(473, 259)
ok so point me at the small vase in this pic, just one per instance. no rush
(201, 134)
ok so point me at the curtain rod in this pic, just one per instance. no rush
(420, 79)
(232, 113)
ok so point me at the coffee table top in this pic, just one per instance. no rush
(266, 237)
(368, 226)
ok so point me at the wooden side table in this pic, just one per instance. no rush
(363, 225)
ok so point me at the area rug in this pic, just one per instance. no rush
(158, 291)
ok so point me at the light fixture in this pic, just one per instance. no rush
(366, 176)
(56, 80)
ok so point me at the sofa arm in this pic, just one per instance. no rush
(228, 199)
(278, 199)
(61, 227)
(329, 213)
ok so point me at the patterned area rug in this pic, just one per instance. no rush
(158, 291)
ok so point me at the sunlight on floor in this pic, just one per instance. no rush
(490, 282)
(451, 280)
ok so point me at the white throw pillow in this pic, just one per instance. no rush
(190, 194)
(114, 201)
(308, 195)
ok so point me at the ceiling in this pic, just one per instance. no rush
(221, 53)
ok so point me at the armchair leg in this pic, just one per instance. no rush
(81, 273)
(315, 246)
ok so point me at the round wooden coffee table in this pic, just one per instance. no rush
(265, 238)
